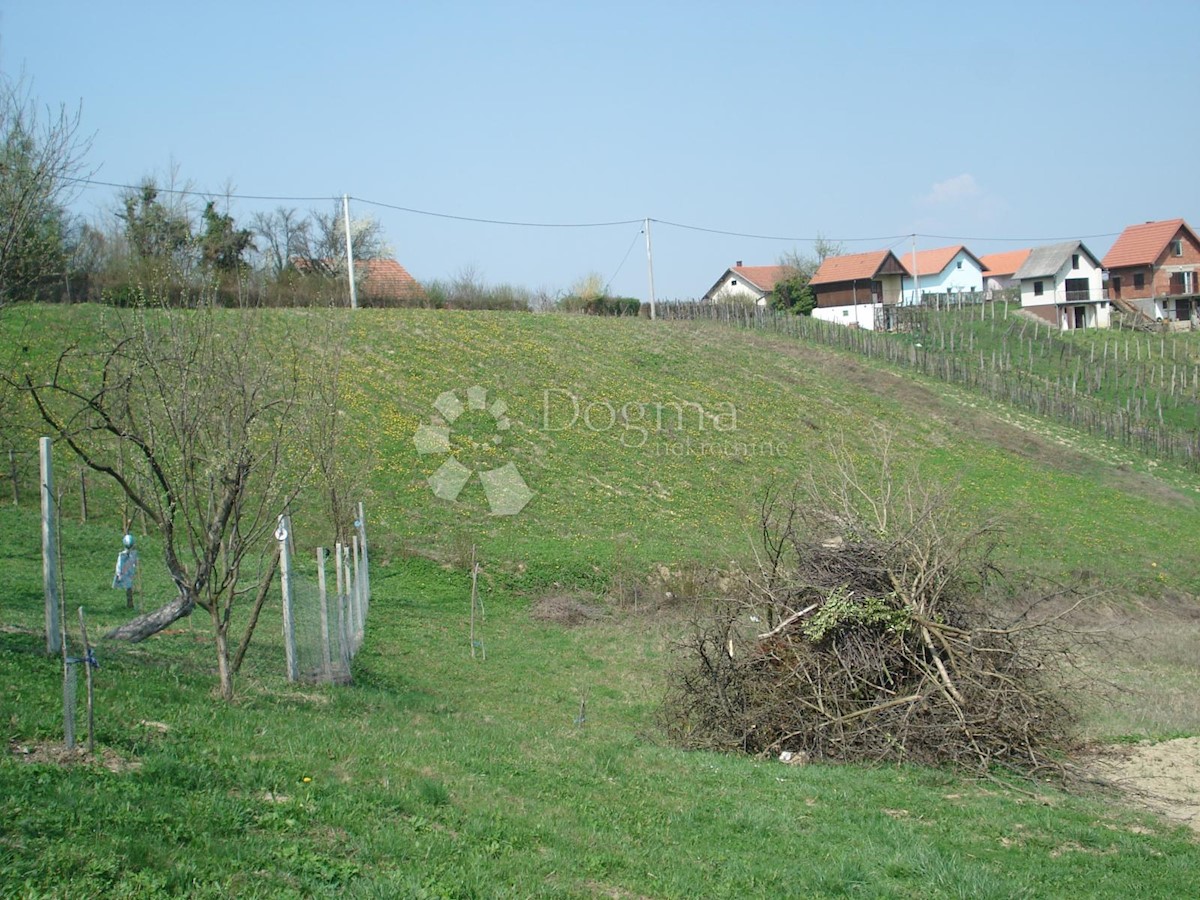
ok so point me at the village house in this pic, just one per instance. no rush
(999, 268)
(1064, 285)
(746, 283)
(945, 270)
(850, 289)
(1153, 267)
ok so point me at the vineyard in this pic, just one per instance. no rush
(1140, 390)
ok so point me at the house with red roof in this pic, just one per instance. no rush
(945, 270)
(999, 268)
(384, 281)
(1154, 267)
(850, 289)
(746, 283)
(378, 282)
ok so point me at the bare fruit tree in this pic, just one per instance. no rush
(211, 422)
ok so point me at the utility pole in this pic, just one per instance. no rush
(349, 251)
(916, 274)
(650, 267)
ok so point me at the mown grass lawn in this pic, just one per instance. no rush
(439, 775)
(436, 774)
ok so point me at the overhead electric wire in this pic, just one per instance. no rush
(624, 259)
(772, 237)
(194, 193)
(425, 212)
(890, 240)
(1029, 240)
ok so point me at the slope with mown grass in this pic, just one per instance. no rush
(436, 774)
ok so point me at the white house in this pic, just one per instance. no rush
(746, 283)
(1063, 284)
(946, 270)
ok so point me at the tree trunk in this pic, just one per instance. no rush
(223, 668)
(151, 623)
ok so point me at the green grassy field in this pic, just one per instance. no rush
(436, 774)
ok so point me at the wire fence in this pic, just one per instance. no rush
(324, 607)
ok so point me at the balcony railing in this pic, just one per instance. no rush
(1082, 296)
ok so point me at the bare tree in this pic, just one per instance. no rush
(210, 422)
(41, 162)
(285, 235)
(325, 248)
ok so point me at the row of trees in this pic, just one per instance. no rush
(159, 232)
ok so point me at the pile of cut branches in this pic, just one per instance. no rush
(872, 632)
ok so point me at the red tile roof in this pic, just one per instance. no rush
(1142, 245)
(852, 267)
(932, 262)
(386, 278)
(998, 265)
(762, 277)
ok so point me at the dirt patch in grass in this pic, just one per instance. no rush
(568, 610)
(55, 754)
(1163, 777)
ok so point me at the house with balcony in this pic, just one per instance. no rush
(1064, 285)
(1154, 267)
(945, 270)
(851, 289)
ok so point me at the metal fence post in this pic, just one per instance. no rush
(285, 581)
(49, 549)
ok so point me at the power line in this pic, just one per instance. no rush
(772, 237)
(1020, 240)
(890, 240)
(624, 258)
(192, 193)
(425, 212)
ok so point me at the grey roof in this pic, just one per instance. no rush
(1043, 262)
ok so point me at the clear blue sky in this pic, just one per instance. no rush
(998, 124)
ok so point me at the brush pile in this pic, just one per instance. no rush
(870, 633)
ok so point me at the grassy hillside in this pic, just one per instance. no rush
(647, 443)
(688, 489)
(438, 775)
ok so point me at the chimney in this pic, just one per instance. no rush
(739, 264)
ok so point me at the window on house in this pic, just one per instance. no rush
(733, 281)
(1115, 281)
(1139, 280)
(1037, 289)
(1177, 247)
(959, 264)
(1074, 260)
